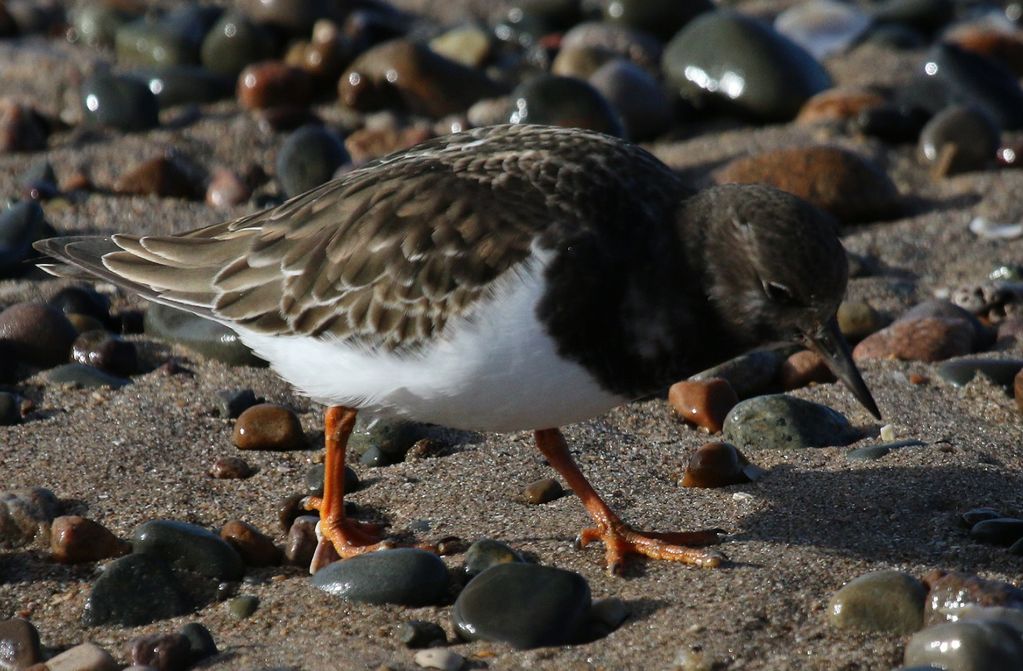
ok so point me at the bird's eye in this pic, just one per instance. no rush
(778, 293)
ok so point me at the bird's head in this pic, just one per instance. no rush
(775, 271)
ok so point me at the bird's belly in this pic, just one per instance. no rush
(496, 370)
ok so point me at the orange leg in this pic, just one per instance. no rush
(619, 539)
(340, 536)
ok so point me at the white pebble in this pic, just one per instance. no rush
(744, 497)
(985, 228)
(439, 658)
(887, 433)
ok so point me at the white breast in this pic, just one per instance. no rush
(495, 370)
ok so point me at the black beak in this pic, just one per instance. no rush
(829, 342)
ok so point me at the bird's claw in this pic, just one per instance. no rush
(621, 541)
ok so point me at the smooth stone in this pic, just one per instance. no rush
(723, 58)
(486, 553)
(926, 16)
(607, 615)
(421, 634)
(967, 646)
(749, 374)
(119, 102)
(309, 157)
(82, 376)
(965, 134)
(105, 351)
(469, 45)
(200, 641)
(270, 84)
(949, 310)
(96, 24)
(226, 189)
(83, 657)
(542, 491)
(188, 547)
(254, 547)
(243, 606)
(439, 658)
(38, 334)
(822, 27)
(661, 18)
(171, 39)
(295, 17)
(164, 652)
(525, 605)
(582, 62)
(25, 514)
(638, 97)
(804, 368)
(703, 403)
(951, 592)
(314, 480)
(74, 540)
(961, 371)
(267, 426)
(135, 590)
(164, 176)
(888, 601)
(203, 336)
(974, 79)
(857, 320)
(564, 101)
(10, 409)
(974, 515)
(719, 465)
(404, 576)
(82, 300)
(874, 452)
(233, 402)
(779, 421)
(839, 104)
(927, 339)
(370, 142)
(21, 224)
(231, 468)
(641, 48)
(22, 128)
(301, 542)
(19, 644)
(184, 85)
(233, 42)
(393, 438)
(999, 531)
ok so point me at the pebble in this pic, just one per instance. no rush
(719, 465)
(641, 48)
(10, 409)
(970, 78)
(661, 18)
(486, 553)
(226, 189)
(421, 634)
(404, 576)
(948, 310)
(38, 334)
(267, 426)
(644, 107)
(177, 85)
(119, 102)
(888, 601)
(188, 547)
(730, 60)
(173, 38)
(202, 336)
(75, 540)
(703, 403)
(926, 16)
(607, 615)
(233, 42)
(822, 27)
(314, 480)
(295, 17)
(135, 590)
(841, 103)
(983, 227)
(997, 43)
(974, 515)
(83, 657)
(779, 421)
(22, 128)
(96, 24)
(391, 438)
(926, 339)
(21, 224)
(750, 374)
(407, 76)
(564, 101)
(851, 187)
(857, 320)
(25, 514)
(439, 658)
(164, 652)
(301, 542)
(366, 144)
(803, 369)
(243, 606)
(309, 157)
(82, 300)
(469, 45)
(582, 61)
(105, 351)
(1000, 371)
(543, 490)
(81, 376)
(163, 176)
(19, 644)
(231, 468)
(1003, 531)
(950, 592)
(960, 138)
(274, 84)
(967, 646)
(874, 452)
(525, 605)
(200, 641)
(254, 547)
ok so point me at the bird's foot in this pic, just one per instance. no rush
(620, 540)
(343, 538)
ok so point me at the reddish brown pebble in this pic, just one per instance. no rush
(301, 543)
(231, 468)
(266, 426)
(926, 339)
(840, 182)
(272, 83)
(165, 652)
(76, 181)
(802, 369)
(1003, 46)
(703, 403)
(21, 128)
(838, 104)
(226, 189)
(75, 540)
(324, 57)
(542, 491)
(255, 548)
(917, 378)
(366, 144)
(163, 176)
(290, 508)
(39, 334)
(718, 465)
(950, 591)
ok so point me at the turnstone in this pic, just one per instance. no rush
(501, 279)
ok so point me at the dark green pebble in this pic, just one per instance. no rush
(188, 547)
(486, 553)
(405, 576)
(119, 102)
(243, 606)
(308, 158)
(83, 376)
(1004, 531)
(135, 590)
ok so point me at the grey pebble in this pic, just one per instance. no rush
(200, 640)
(82, 376)
(176, 85)
(967, 646)
(960, 372)
(203, 336)
(421, 634)
(873, 452)
(405, 576)
(233, 402)
(188, 547)
(564, 101)
(1003, 531)
(119, 102)
(308, 158)
(968, 131)
(19, 644)
(135, 590)
(782, 421)
(25, 514)
(486, 553)
(21, 224)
